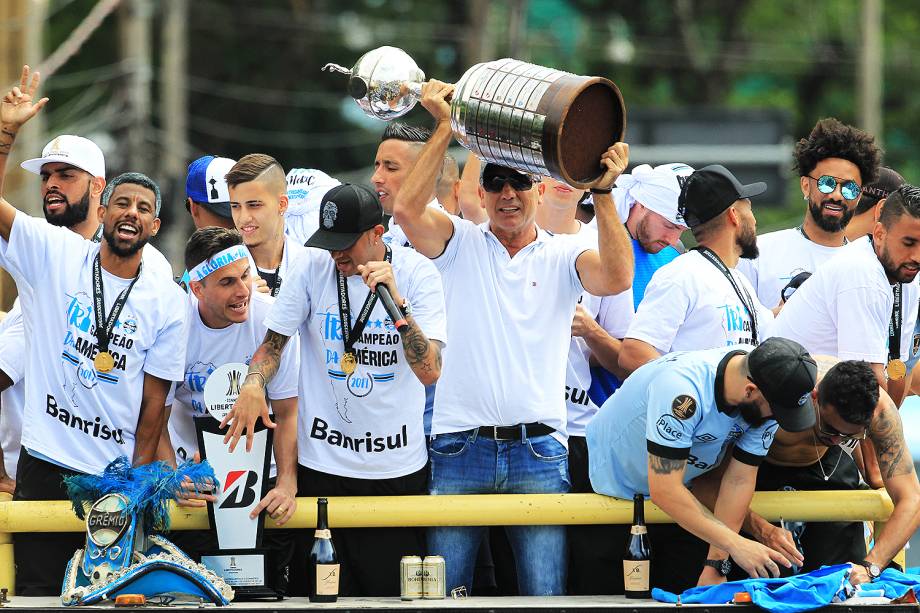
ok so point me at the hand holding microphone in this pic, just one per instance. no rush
(379, 277)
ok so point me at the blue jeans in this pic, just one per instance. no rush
(464, 463)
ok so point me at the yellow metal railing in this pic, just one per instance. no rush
(472, 510)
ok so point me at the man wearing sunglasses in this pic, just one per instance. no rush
(834, 162)
(849, 407)
(500, 416)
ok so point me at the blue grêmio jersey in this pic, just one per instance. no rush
(669, 408)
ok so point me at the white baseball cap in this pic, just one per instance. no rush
(74, 150)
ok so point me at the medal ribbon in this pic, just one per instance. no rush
(351, 334)
(105, 325)
(748, 303)
(894, 326)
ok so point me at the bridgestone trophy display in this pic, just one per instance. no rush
(531, 118)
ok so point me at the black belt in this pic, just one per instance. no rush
(513, 433)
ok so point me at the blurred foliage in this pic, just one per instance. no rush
(255, 83)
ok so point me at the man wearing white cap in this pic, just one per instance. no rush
(305, 190)
(105, 335)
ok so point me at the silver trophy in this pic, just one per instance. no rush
(535, 119)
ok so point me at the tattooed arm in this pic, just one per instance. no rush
(422, 354)
(667, 489)
(251, 403)
(897, 470)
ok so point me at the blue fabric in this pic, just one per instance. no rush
(465, 463)
(603, 382)
(646, 265)
(799, 593)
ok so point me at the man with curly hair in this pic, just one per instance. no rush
(834, 162)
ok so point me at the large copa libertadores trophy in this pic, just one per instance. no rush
(535, 119)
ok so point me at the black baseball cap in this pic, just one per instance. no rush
(709, 191)
(888, 181)
(491, 170)
(347, 212)
(785, 374)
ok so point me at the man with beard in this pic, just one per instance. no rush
(679, 417)
(106, 336)
(699, 301)
(833, 162)
(850, 407)
(862, 304)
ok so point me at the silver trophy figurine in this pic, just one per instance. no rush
(534, 119)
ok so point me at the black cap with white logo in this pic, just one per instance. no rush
(347, 211)
(785, 374)
(709, 191)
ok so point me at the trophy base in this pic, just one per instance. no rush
(245, 570)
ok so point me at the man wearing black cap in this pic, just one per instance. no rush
(672, 421)
(362, 378)
(512, 291)
(867, 209)
(699, 300)
(834, 162)
(850, 407)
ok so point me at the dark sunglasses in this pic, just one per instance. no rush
(849, 189)
(496, 183)
(833, 433)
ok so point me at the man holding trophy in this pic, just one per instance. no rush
(505, 429)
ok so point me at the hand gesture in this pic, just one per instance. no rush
(759, 561)
(780, 539)
(249, 407)
(17, 107)
(614, 161)
(375, 273)
(280, 504)
(582, 323)
(189, 495)
(261, 285)
(859, 574)
(434, 98)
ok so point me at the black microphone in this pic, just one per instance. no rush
(395, 313)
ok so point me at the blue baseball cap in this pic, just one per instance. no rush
(206, 184)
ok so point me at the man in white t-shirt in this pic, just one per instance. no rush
(258, 201)
(699, 301)
(597, 330)
(364, 366)
(499, 419)
(833, 164)
(226, 323)
(95, 390)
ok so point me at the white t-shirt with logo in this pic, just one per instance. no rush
(366, 425)
(510, 323)
(13, 352)
(690, 305)
(211, 348)
(844, 309)
(783, 255)
(76, 416)
(613, 314)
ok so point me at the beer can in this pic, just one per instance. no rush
(411, 578)
(433, 568)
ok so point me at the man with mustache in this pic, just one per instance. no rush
(699, 300)
(105, 331)
(678, 418)
(834, 162)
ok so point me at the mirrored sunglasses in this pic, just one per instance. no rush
(849, 189)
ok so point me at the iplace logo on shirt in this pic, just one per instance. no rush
(768, 436)
(669, 428)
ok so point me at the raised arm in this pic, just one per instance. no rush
(251, 404)
(16, 109)
(469, 198)
(609, 270)
(428, 229)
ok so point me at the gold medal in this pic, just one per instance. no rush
(896, 369)
(349, 363)
(104, 362)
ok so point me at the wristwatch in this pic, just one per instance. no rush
(873, 569)
(722, 566)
